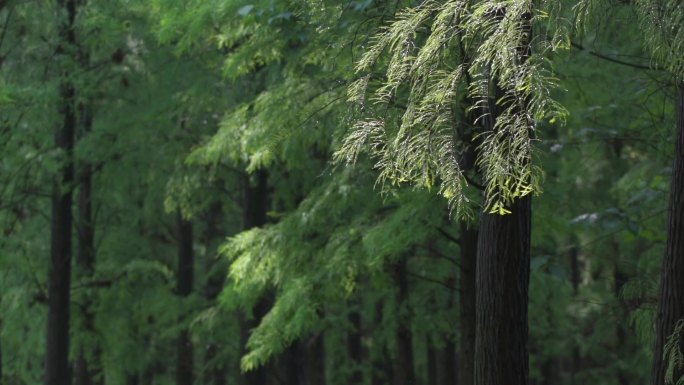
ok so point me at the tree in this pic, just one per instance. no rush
(57, 369)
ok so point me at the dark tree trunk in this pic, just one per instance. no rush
(403, 368)
(468, 297)
(255, 209)
(355, 347)
(503, 273)
(216, 373)
(575, 279)
(382, 372)
(315, 360)
(432, 358)
(622, 349)
(87, 366)
(291, 365)
(450, 372)
(184, 280)
(59, 277)
(671, 300)
(2, 380)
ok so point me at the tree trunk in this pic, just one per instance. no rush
(184, 280)
(671, 300)
(216, 373)
(255, 209)
(468, 297)
(450, 373)
(315, 360)
(622, 348)
(2, 380)
(59, 277)
(86, 366)
(355, 347)
(404, 368)
(432, 358)
(503, 273)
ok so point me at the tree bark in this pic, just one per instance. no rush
(469, 239)
(59, 277)
(671, 300)
(503, 273)
(184, 280)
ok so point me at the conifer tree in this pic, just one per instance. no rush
(57, 369)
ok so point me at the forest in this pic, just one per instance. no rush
(354, 192)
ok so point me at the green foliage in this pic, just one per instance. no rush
(441, 56)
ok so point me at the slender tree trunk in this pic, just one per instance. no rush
(382, 372)
(503, 272)
(355, 347)
(59, 280)
(86, 368)
(2, 380)
(671, 300)
(575, 279)
(184, 280)
(216, 373)
(622, 348)
(450, 372)
(315, 360)
(404, 366)
(255, 209)
(468, 297)
(432, 364)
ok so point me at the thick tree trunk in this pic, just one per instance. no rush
(404, 367)
(503, 273)
(468, 297)
(671, 300)
(59, 278)
(184, 280)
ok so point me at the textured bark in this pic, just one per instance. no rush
(59, 277)
(403, 368)
(184, 280)
(468, 297)
(503, 273)
(671, 300)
